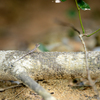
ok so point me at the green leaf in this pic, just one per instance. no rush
(42, 48)
(62, 0)
(83, 5)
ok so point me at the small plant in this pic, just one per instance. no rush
(80, 4)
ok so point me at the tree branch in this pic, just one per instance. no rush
(47, 65)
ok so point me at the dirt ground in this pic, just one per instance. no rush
(23, 24)
(58, 88)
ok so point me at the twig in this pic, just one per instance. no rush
(37, 45)
(92, 84)
(29, 82)
(3, 89)
(16, 95)
(93, 33)
(66, 24)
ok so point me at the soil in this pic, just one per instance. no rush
(60, 89)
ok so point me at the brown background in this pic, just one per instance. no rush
(24, 21)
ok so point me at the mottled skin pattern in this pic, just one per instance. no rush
(49, 65)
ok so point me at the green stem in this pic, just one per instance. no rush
(93, 33)
(80, 17)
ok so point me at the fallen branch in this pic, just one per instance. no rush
(47, 65)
